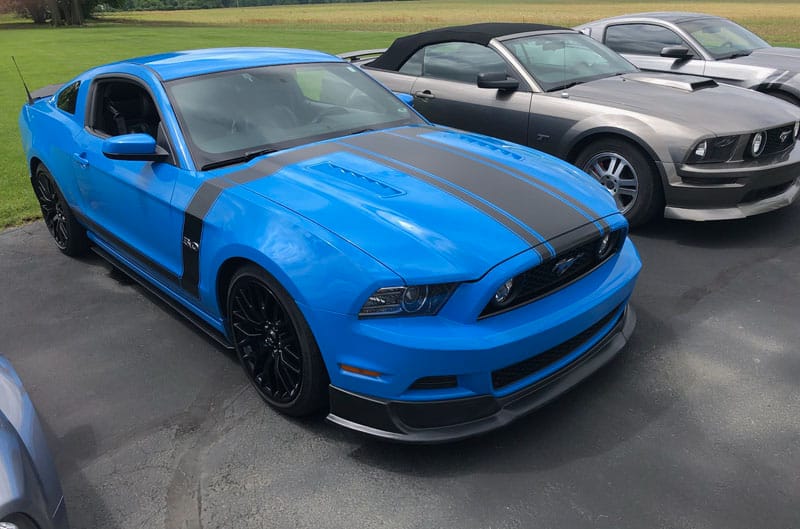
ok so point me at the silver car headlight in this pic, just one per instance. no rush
(415, 300)
(757, 144)
(713, 150)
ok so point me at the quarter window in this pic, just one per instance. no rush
(454, 61)
(641, 39)
(68, 97)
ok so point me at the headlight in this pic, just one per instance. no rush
(757, 144)
(503, 294)
(416, 300)
(607, 245)
(713, 150)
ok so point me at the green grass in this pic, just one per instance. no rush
(49, 56)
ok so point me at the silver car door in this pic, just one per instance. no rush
(447, 93)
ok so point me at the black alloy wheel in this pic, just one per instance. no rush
(275, 346)
(68, 234)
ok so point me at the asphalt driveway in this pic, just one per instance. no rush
(696, 424)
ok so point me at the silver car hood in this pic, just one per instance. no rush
(778, 58)
(688, 100)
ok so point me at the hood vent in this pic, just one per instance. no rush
(687, 83)
(357, 180)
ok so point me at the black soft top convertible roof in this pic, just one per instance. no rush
(404, 47)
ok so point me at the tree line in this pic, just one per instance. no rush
(74, 12)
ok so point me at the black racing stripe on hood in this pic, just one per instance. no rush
(541, 212)
(536, 243)
(418, 133)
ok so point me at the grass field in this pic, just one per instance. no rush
(49, 56)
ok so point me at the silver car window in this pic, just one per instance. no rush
(722, 38)
(559, 60)
(454, 61)
(641, 39)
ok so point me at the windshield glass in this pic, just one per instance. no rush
(229, 116)
(722, 38)
(560, 60)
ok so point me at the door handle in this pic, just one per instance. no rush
(80, 159)
(425, 94)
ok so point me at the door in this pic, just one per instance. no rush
(128, 203)
(446, 91)
(642, 44)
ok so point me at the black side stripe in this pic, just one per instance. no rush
(418, 132)
(529, 238)
(208, 192)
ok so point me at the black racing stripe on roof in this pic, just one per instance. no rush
(536, 243)
(589, 213)
(404, 47)
(541, 212)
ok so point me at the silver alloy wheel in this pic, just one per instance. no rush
(617, 175)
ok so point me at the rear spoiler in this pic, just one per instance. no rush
(46, 91)
(361, 55)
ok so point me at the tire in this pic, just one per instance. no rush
(627, 174)
(68, 234)
(274, 343)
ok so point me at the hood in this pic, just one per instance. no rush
(431, 203)
(694, 101)
(778, 58)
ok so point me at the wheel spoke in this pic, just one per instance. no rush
(627, 192)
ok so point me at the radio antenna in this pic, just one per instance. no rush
(27, 92)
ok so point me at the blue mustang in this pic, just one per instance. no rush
(427, 283)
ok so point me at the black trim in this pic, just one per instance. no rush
(434, 421)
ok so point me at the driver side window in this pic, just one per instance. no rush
(641, 39)
(454, 61)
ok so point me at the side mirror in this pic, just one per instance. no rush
(676, 52)
(408, 99)
(498, 81)
(138, 147)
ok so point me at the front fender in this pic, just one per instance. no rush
(318, 268)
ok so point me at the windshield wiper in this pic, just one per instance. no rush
(246, 157)
(565, 86)
(738, 54)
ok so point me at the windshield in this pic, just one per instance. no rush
(722, 38)
(561, 60)
(231, 116)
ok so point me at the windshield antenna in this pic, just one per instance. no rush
(27, 92)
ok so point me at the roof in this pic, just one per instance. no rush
(667, 16)
(175, 65)
(404, 47)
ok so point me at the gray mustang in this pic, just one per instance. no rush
(661, 143)
(697, 44)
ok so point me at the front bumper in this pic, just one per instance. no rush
(450, 420)
(731, 191)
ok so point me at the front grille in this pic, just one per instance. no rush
(556, 272)
(437, 382)
(775, 144)
(508, 375)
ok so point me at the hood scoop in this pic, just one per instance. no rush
(340, 174)
(685, 83)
